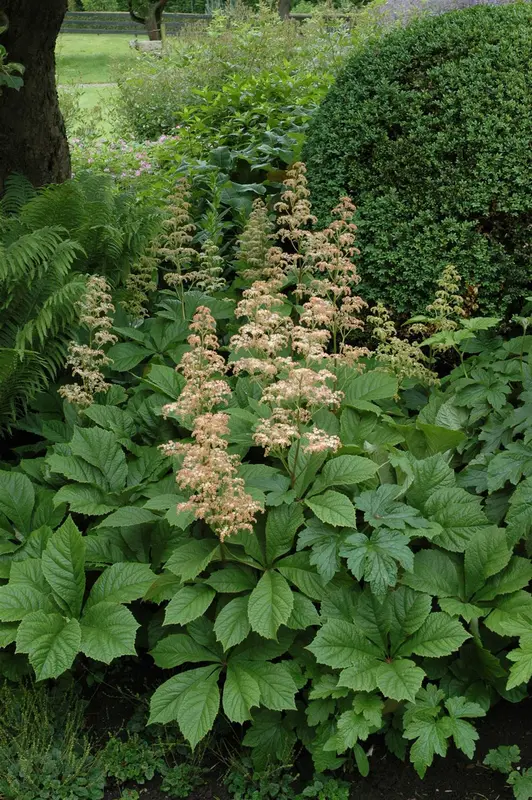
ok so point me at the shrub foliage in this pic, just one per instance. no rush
(429, 131)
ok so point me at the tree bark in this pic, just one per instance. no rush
(153, 18)
(32, 132)
(284, 7)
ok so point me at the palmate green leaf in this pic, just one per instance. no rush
(382, 509)
(409, 610)
(375, 559)
(440, 635)
(163, 588)
(232, 623)
(75, 469)
(459, 513)
(18, 600)
(188, 604)
(84, 499)
(333, 508)
(112, 418)
(370, 706)
(270, 738)
(121, 583)
(126, 356)
(241, 693)
(100, 448)
(363, 677)
(108, 631)
(429, 474)
(282, 524)
(17, 498)
(51, 642)
(516, 575)
(399, 679)
(371, 385)
(325, 543)
(486, 554)
(192, 698)
(232, 579)
(435, 573)
(178, 649)
(512, 616)
(457, 608)
(276, 685)
(521, 783)
(431, 740)
(303, 614)
(509, 465)
(519, 516)
(8, 633)
(350, 728)
(297, 569)
(521, 670)
(463, 733)
(188, 560)
(127, 516)
(270, 604)
(63, 566)
(503, 758)
(344, 471)
(340, 644)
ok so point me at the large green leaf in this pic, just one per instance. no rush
(344, 471)
(281, 527)
(232, 624)
(440, 635)
(83, 499)
(303, 614)
(298, 570)
(18, 600)
(431, 739)
(512, 615)
(127, 516)
(51, 642)
(108, 631)
(333, 508)
(519, 516)
(516, 575)
(399, 679)
(340, 644)
(75, 469)
(121, 583)
(371, 385)
(17, 498)
(241, 693)
(460, 515)
(100, 448)
(189, 603)
(276, 684)
(428, 475)
(232, 579)
(325, 543)
(270, 604)
(375, 558)
(486, 554)
(435, 573)
(192, 698)
(521, 670)
(188, 560)
(178, 649)
(63, 566)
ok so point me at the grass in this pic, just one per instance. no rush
(91, 58)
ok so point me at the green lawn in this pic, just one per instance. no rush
(91, 58)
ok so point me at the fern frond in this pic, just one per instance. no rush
(17, 192)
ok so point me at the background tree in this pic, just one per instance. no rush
(32, 133)
(150, 14)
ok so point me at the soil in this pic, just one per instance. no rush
(450, 778)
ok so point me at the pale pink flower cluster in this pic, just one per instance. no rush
(87, 361)
(293, 398)
(201, 367)
(207, 470)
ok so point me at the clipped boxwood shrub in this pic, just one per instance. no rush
(429, 130)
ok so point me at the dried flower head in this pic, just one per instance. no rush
(87, 361)
(140, 283)
(177, 235)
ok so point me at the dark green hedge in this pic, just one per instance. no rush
(429, 130)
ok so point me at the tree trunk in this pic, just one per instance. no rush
(284, 8)
(32, 132)
(153, 18)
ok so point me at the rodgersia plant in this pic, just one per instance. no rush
(88, 360)
(323, 557)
